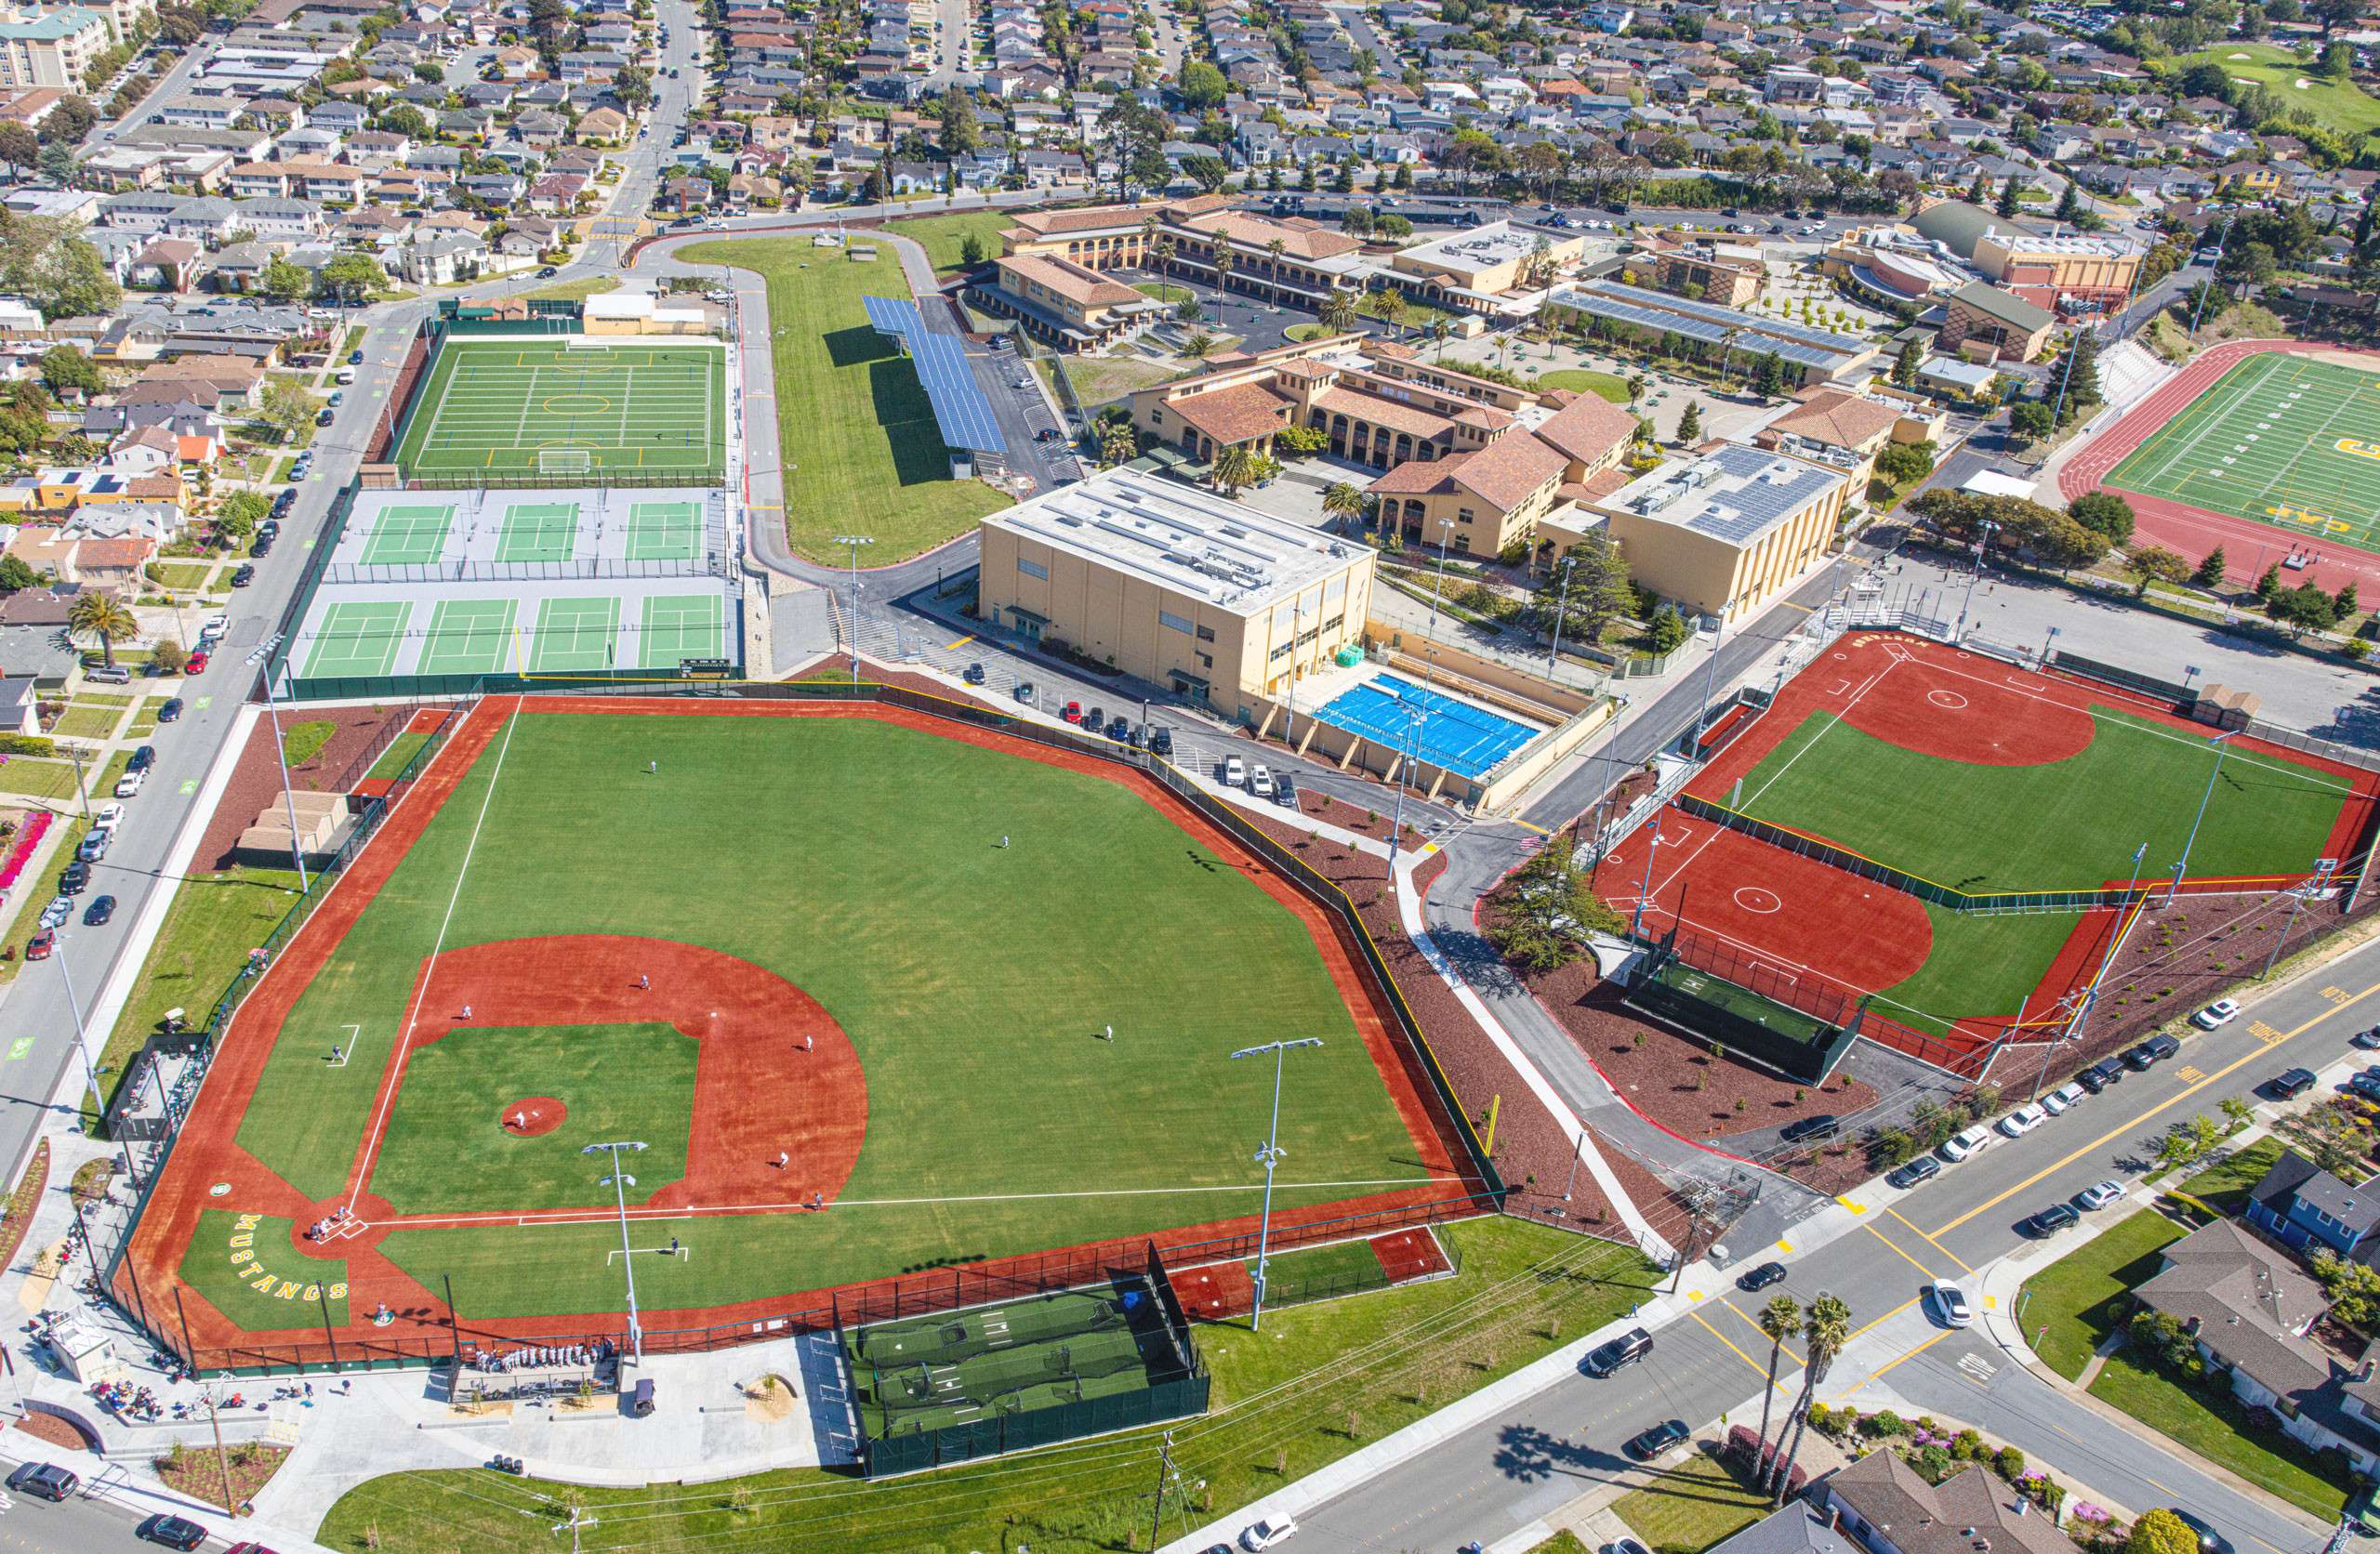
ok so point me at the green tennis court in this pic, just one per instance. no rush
(358, 636)
(541, 409)
(539, 532)
(408, 536)
(682, 625)
(573, 634)
(467, 636)
(665, 532)
(2277, 440)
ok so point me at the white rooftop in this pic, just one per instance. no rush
(1735, 493)
(1180, 537)
(1469, 252)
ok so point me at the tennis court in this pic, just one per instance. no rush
(682, 625)
(665, 532)
(358, 636)
(539, 532)
(2277, 440)
(467, 636)
(408, 536)
(575, 634)
(1454, 735)
(554, 408)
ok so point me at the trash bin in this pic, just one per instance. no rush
(641, 1402)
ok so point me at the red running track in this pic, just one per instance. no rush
(2248, 546)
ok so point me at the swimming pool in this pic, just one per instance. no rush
(1464, 739)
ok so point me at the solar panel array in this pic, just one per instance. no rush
(959, 408)
(1658, 311)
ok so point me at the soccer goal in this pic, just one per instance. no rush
(579, 345)
(565, 461)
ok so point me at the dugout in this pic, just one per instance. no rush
(1747, 1023)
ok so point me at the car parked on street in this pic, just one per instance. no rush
(2099, 1075)
(1948, 1305)
(2289, 1084)
(1647, 1444)
(1966, 1142)
(2023, 1119)
(197, 664)
(1626, 1350)
(41, 945)
(2223, 1011)
(173, 1532)
(244, 576)
(55, 913)
(73, 879)
(108, 818)
(129, 783)
(2099, 1195)
(1269, 1531)
(143, 756)
(170, 711)
(2367, 1038)
(1760, 1278)
(2063, 1099)
(43, 1481)
(2156, 1049)
(2049, 1221)
(1924, 1169)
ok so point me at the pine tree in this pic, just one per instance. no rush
(1978, 189)
(2008, 191)
(1689, 426)
(1905, 365)
(2070, 204)
(2268, 585)
(2347, 601)
(1769, 381)
(2210, 572)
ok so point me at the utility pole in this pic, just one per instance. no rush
(2090, 994)
(1982, 543)
(1269, 1155)
(1165, 1476)
(855, 541)
(1553, 654)
(578, 1519)
(2322, 867)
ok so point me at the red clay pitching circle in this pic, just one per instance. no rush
(532, 1115)
(1950, 699)
(1751, 898)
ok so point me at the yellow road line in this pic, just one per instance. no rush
(1888, 1315)
(1930, 1241)
(949, 647)
(1755, 1327)
(2114, 1132)
(1896, 1246)
(1888, 1365)
(1758, 1369)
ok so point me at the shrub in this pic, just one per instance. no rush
(1933, 1464)
(2010, 1464)
(27, 745)
(1887, 1423)
(1966, 1445)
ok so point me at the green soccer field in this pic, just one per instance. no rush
(539, 409)
(2062, 825)
(971, 979)
(2277, 440)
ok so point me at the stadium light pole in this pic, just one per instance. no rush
(1553, 654)
(1982, 543)
(855, 541)
(619, 1181)
(2222, 744)
(2090, 994)
(1413, 720)
(263, 655)
(1269, 1156)
(1711, 677)
(1636, 928)
(90, 1070)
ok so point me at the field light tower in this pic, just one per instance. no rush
(2181, 866)
(263, 655)
(1269, 1155)
(619, 1181)
(855, 541)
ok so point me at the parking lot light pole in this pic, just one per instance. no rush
(619, 1181)
(263, 655)
(1413, 722)
(2222, 742)
(1553, 654)
(1268, 1156)
(855, 541)
(1982, 543)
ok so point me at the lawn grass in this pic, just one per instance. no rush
(302, 741)
(38, 778)
(1318, 1383)
(85, 720)
(1981, 964)
(2069, 1308)
(1579, 380)
(186, 576)
(393, 760)
(577, 291)
(215, 920)
(1689, 1507)
(861, 450)
(2065, 825)
(2223, 1186)
(1563, 1542)
(143, 722)
(941, 235)
(2211, 1423)
(973, 982)
(2342, 105)
(1101, 379)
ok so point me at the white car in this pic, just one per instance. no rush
(1260, 781)
(2064, 1097)
(1234, 772)
(1269, 1531)
(2223, 1011)
(108, 818)
(1966, 1143)
(1948, 1304)
(2022, 1121)
(2099, 1195)
(129, 783)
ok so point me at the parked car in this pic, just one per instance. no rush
(2209, 1540)
(1762, 1277)
(1234, 772)
(1808, 1127)
(1626, 1350)
(1161, 739)
(2366, 1085)
(547, 273)
(1118, 728)
(2051, 1220)
(93, 847)
(1924, 1169)
(56, 911)
(2023, 1119)
(2099, 1075)
(2062, 1099)
(324, 416)
(73, 879)
(1965, 1143)
(1073, 713)
(2367, 1038)
(41, 944)
(2223, 1011)
(1269, 1531)
(973, 674)
(108, 818)
(99, 911)
(2099, 1195)
(173, 1532)
(170, 711)
(1647, 1444)
(197, 664)
(1948, 1305)
(1023, 691)
(1094, 719)
(2290, 1084)
(143, 756)
(129, 783)
(244, 576)
(261, 545)
(2155, 1049)
(1260, 781)
(355, 359)
(43, 1481)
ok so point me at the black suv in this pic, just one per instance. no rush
(2051, 1220)
(143, 759)
(1626, 1350)
(2099, 1075)
(1818, 1126)
(73, 878)
(1161, 739)
(2290, 1083)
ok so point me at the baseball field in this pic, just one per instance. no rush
(865, 993)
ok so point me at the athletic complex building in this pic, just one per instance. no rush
(541, 501)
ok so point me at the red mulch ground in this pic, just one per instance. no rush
(1350, 817)
(255, 781)
(51, 1430)
(1409, 1255)
(1216, 1292)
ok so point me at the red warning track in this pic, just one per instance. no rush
(512, 984)
(2193, 531)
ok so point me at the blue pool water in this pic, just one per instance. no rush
(1464, 739)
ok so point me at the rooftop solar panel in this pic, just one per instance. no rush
(960, 410)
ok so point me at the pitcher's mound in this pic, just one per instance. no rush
(535, 1115)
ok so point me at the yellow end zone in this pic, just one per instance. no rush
(2311, 520)
(2360, 448)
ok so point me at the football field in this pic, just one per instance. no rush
(546, 410)
(2277, 440)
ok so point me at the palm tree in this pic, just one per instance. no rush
(1390, 306)
(1780, 1318)
(1342, 500)
(1726, 345)
(1440, 328)
(1161, 251)
(1338, 313)
(1235, 466)
(1197, 345)
(1118, 443)
(1276, 249)
(1823, 1334)
(101, 616)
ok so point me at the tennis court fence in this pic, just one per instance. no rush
(589, 569)
(517, 479)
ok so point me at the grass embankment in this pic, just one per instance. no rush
(215, 920)
(942, 236)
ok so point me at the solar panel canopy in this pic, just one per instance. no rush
(960, 409)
